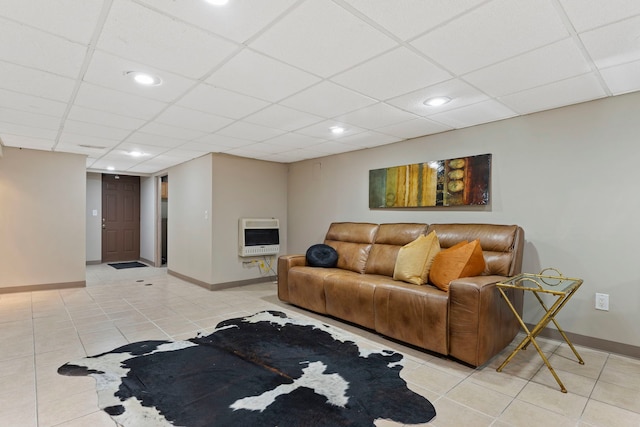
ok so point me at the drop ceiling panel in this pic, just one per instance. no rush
(29, 119)
(460, 92)
(493, 32)
(115, 102)
(110, 71)
(376, 116)
(81, 142)
(27, 131)
(470, 115)
(327, 100)
(295, 140)
(249, 131)
(35, 82)
(323, 130)
(175, 132)
(26, 142)
(623, 78)
(192, 119)
(369, 139)
(238, 21)
(131, 31)
(33, 104)
(36, 49)
(566, 92)
(553, 62)
(413, 128)
(273, 82)
(221, 102)
(224, 141)
(589, 14)
(156, 140)
(322, 38)
(91, 129)
(89, 115)
(72, 19)
(279, 117)
(409, 18)
(397, 71)
(614, 44)
(147, 150)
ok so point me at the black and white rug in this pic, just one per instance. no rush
(262, 370)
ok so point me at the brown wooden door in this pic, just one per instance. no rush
(120, 218)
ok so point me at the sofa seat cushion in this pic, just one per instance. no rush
(306, 286)
(414, 314)
(349, 296)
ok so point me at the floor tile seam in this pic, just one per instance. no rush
(495, 417)
(557, 389)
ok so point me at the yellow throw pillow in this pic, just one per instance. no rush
(415, 258)
(461, 260)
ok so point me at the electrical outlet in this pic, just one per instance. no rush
(602, 302)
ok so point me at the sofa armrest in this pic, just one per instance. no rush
(481, 324)
(285, 262)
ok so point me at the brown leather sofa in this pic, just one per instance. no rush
(470, 322)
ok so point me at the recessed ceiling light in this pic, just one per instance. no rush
(217, 2)
(337, 130)
(437, 101)
(144, 79)
(110, 168)
(136, 153)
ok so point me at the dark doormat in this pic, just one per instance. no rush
(132, 264)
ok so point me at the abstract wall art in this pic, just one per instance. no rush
(453, 182)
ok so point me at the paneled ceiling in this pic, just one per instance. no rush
(271, 79)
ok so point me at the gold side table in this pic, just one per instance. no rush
(562, 288)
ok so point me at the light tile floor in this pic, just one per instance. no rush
(39, 331)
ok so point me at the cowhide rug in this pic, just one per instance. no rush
(261, 370)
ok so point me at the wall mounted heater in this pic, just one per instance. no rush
(258, 236)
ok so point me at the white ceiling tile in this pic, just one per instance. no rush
(72, 139)
(131, 31)
(408, 18)
(588, 14)
(623, 78)
(89, 115)
(20, 141)
(614, 44)
(414, 128)
(110, 71)
(223, 141)
(91, 129)
(156, 140)
(328, 100)
(118, 162)
(323, 130)
(27, 131)
(161, 129)
(35, 82)
(33, 104)
(90, 151)
(322, 38)
(567, 92)
(295, 140)
(554, 62)
(396, 72)
(238, 20)
(460, 92)
(146, 150)
(192, 119)
(334, 147)
(250, 131)
(272, 81)
(115, 102)
(35, 49)
(376, 116)
(279, 117)
(471, 115)
(29, 119)
(221, 102)
(264, 147)
(203, 147)
(181, 154)
(370, 139)
(71, 19)
(491, 33)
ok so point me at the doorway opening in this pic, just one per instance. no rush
(164, 215)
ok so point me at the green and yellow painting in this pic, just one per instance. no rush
(452, 182)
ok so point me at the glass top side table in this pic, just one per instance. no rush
(548, 281)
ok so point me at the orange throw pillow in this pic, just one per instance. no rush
(462, 260)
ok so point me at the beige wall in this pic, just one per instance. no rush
(42, 218)
(568, 176)
(244, 188)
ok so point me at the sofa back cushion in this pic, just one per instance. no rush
(501, 244)
(389, 239)
(352, 241)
